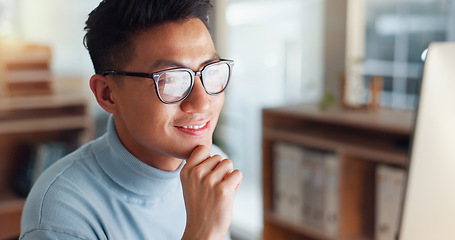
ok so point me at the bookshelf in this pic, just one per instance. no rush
(24, 68)
(63, 116)
(362, 140)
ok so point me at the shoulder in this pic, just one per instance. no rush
(56, 199)
(49, 234)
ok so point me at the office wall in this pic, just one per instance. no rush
(58, 24)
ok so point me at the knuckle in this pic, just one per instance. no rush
(198, 172)
(238, 173)
(211, 180)
(223, 191)
(218, 157)
(227, 162)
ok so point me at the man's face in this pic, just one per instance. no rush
(160, 134)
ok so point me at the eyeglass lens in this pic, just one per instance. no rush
(174, 85)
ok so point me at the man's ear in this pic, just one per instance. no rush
(102, 90)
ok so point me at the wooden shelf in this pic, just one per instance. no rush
(381, 136)
(360, 139)
(385, 120)
(43, 125)
(64, 116)
(299, 228)
(45, 101)
(303, 229)
(371, 150)
(10, 214)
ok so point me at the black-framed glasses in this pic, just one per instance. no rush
(174, 85)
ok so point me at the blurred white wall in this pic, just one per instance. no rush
(278, 49)
(58, 24)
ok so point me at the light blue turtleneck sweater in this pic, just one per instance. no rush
(101, 191)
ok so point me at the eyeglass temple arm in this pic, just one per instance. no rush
(131, 74)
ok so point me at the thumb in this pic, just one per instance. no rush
(199, 154)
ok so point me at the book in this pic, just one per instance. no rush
(306, 187)
(331, 194)
(279, 181)
(304, 171)
(318, 185)
(288, 195)
(389, 194)
(321, 191)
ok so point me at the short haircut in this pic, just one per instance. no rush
(112, 24)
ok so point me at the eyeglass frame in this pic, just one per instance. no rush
(156, 75)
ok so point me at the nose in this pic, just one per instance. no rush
(198, 101)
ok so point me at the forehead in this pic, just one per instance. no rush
(187, 42)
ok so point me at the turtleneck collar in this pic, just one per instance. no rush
(131, 173)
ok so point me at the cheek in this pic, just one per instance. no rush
(150, 126)
(152, 117)
(218, 103)
(142, 109)
(135, 97)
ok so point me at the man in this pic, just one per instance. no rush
(158, 74)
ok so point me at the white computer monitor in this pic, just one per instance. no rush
(428, 210)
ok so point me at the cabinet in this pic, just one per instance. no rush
(63, 117)
(361, 140)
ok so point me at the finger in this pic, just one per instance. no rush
(224, 168)
(199, 154)
(234, 179)
(207, 166)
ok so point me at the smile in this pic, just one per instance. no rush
(197, 129)
(194, 126)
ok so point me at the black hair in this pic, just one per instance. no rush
(111, 25)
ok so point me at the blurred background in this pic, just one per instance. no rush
(286, 52)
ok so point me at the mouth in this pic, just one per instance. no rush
(195, 129)
(195, 126)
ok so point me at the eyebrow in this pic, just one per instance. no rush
(168, 63)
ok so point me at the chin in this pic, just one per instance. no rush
(188, 150)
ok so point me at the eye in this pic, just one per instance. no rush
(216, 77)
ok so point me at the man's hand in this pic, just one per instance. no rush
(209, 184)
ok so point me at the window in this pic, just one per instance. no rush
(397, 34)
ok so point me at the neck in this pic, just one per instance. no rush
(152, 157)
(168, 164)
